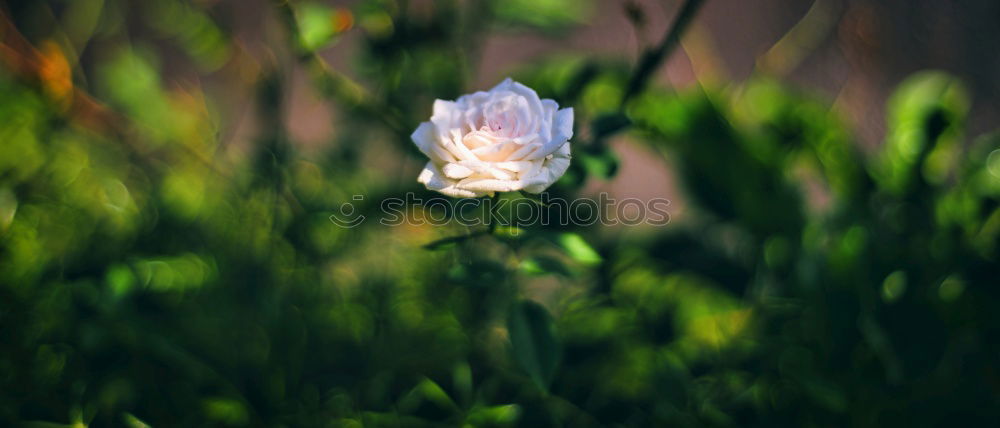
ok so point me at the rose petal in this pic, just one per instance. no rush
(562, 131)
(550, 172)
(514, 166)
(549, 108)
(527, 93)
(432, 177)
(524, 151)
(426, 139)
(458, 148)
(497, 152)
(488, 185)
(456, 171)
(446, 116)
(488, 170)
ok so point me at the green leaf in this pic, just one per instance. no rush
(510, 233)
(461, 375)
(427, 392)
(8, 207)
(544, 265)
(550, 15)
(533, 341)
(133, 422)
(494, 415)
(227, 411)
(925, 117)
(715, 165)
(120, 279)
(578, 249)
(317, 25)
(603, 165)
(894, 286)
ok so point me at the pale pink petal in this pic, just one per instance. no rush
(426, 139)
(432, 177)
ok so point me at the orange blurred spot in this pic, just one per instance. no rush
(55, 74)
(342, 19)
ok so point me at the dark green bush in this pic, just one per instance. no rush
(153, 273)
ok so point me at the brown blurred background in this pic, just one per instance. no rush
(853, 52)
(849, 53)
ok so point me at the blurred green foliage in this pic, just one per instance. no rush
(151, 275)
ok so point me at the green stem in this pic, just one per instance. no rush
(492, 225)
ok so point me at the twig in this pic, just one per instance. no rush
(649, 62)
(812, 29)
(652, 59)
(433, 245)
(491, 226)
(338, 86)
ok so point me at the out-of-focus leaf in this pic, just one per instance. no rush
(578, 249)
(8, 207)
(481, 272)
(533, 341)
(319, 24)
(717, 169)
(894, 286)
(978, 187)
(461, 376)
(192, 28)
(951, 288)
(602, 165)
(566, 78)
(509, 233)
(427, 392)
(494, 415)
(544, 265)
(133, 422)
(120, 279)
(543, 14)
(226, 411)
(926, 115)
(787, 123)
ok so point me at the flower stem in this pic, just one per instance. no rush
(490, 223)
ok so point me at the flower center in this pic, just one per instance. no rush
(504, 117)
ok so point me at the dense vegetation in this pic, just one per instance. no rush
(153, 273)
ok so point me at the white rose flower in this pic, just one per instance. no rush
(502, 140)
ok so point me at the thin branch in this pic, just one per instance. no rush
(491, 226)
(337, 85)
(802, 39)
(433, 245)
(652, 59)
